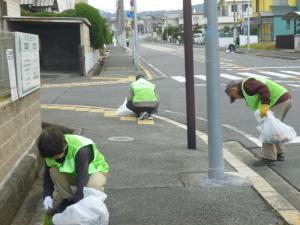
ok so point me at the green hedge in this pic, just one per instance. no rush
(99, 32)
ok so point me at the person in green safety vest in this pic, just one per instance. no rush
(70, 160)
(142, 98)
(264, 95)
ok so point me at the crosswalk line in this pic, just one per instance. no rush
(291, 72)
(252, 74)
(202, 77)
(276, 74)
(180, 79)
(230, 77)
(294, 85)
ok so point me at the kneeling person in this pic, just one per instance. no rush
(70, 160)
(142, 98)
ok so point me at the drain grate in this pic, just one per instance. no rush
(121, 138)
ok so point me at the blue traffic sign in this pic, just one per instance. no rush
(130, 14)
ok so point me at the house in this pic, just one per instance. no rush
(8, 8)
(48, 5)
(267, 15)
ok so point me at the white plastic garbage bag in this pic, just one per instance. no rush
(273, 131)
(91, 210)
(123, 110)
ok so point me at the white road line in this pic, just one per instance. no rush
(291, 72)
(202, 77)
(276, 74)
(294, 85)
(180, 79)
(230, 77)
(251, 75)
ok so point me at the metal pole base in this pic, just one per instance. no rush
(216, 173)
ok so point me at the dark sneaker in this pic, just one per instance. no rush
(150, 117)
(143, 115)
(280, 157)
(264, 162)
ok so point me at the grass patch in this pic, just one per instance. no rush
(261, 46)
(47, 220)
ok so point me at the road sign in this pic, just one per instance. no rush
(130, 14)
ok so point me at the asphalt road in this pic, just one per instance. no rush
(239, 123)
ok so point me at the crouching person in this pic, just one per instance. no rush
(142, 98)
(70, 160)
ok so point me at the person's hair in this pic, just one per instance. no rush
(51, 142)
(139, 76)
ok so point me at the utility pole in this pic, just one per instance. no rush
(122, 25)
(136, 44)
(248, 15)
(215, 136)
(189, 74)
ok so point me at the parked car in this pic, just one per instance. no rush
(198, 39)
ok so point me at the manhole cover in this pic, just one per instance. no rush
(121, 139)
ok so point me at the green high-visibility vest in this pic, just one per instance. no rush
(143, 91)
(276, 91)
(75, 143)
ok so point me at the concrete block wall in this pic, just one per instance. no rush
(91, 56)
(13, 8)
(20, 125)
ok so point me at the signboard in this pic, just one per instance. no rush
(28, 63)
(12, 74)
(130, 14)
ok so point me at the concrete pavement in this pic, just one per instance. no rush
(154, 179)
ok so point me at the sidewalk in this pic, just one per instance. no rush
(282, 54)
(154, 179)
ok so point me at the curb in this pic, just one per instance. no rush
(18, 184)
(277, 56)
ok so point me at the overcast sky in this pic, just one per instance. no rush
(143, 5)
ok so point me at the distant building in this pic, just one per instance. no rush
(48, 5)
(268, 17)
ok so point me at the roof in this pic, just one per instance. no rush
(292, 15)
(266, 14)
(49, 19)
(38, 3)
(281, 10)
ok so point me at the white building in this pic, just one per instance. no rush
(49, 5)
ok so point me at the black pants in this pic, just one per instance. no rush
(139, 110)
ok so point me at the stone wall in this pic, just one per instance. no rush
(20, 125)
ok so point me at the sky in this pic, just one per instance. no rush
(142, 5)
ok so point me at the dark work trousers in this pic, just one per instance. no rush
(139, 110)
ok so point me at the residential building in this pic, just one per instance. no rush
(48, 5)
(268, 18)
(8, 8)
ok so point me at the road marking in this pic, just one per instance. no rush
(180, 79)
(230, 77)
(153, 67)
(251, 75)
(294, 85)
(291, 72)
(202, 77)
(271, 67)
(277, 74)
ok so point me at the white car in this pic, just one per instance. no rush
(198, 39)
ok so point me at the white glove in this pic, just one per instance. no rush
(48, 203)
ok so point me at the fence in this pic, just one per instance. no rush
(7, 41)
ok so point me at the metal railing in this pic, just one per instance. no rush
(7, 41)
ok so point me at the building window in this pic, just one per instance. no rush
(233, 8)
(3, 8)
(244, 7)
(288, 24)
